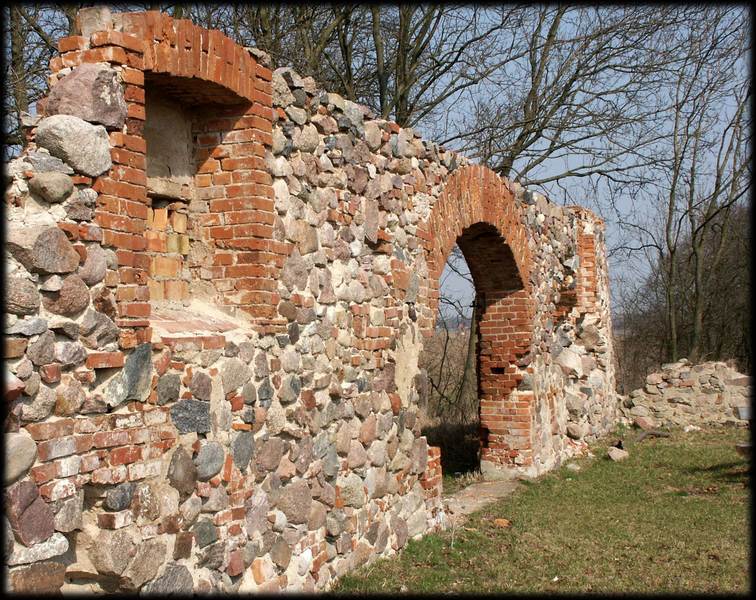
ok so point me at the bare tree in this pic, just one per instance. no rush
(579, 100)
(450, 355)
(30, 35)
(700, 175)
(403, 61)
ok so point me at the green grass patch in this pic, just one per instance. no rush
(672, 518)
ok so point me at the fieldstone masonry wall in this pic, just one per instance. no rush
(212, 378)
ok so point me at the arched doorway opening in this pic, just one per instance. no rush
(450, 408)
(478, 398)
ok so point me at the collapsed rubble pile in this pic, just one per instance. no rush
(685, 394)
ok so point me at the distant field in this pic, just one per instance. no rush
(674, 518)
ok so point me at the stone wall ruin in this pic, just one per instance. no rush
(683, 394)
(212, 344)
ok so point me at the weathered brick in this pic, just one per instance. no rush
(105, 360)
(53, 429)
(115, 520)
(55, 448)
(103, 439)
(57, 490)
(125, 455)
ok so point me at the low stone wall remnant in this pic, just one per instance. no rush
(685, 394)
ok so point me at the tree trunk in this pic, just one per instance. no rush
(671, 310)
(18, 71)
(471, 356)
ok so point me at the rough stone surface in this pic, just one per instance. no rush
(42, 249)
(72, 298)
(209, 460)
(133, 382)
(42, 350)
(14, 386)
(216, 502)
(42, 162)
(22, 297)
(52, 187)
(353, 491)
(295, 272)
(69, 397)
(68, 513)
(150, 554)
(53, 546)
(290, 389)
(20, 453)
(30, 517)
(270, 454)
(119, 498)
(96, 328)
(242, 449)
(69, 354)
(683, 394)
(212, 556)
(574, 431)
(617, 454)
(85, 147)
(234, 374)
(191, 509)
(191, 415)
(201, 386)
(205, 533)
(42, 578)
(91, 92)
(93, 270)
(41, 406)
(175, 580)
(182, 473)
(295, 502)
(168, 388)
(112, 551)
(93, 19)
(280, 553)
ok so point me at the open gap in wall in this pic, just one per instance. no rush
(451, 413)
(503, 339)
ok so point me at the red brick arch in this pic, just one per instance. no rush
(180, 48)
(478, 212)
(475, 194)
(203, 66)
(230, 96)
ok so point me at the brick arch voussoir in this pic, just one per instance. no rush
(475, 194)
(180, 48)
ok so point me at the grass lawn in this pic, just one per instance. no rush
(674, 517)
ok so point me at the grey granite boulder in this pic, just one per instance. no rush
(83, 146)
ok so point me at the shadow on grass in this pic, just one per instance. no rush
(460, 446)
(738, 471)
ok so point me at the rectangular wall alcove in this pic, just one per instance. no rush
(170, 167)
